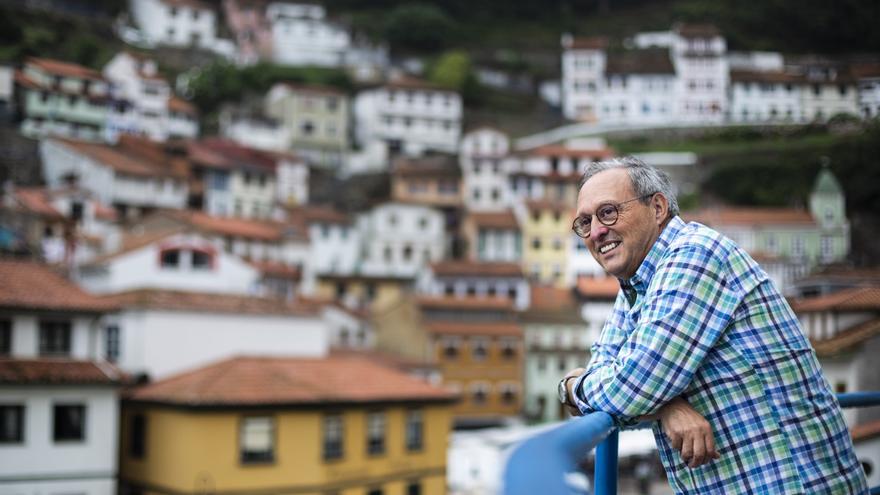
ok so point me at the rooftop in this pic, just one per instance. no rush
(58, 372)
(275, 381)
(175, 300)
(33, 286)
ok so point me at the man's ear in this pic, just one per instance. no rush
(659, 207)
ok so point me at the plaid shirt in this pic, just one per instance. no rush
(701, 320)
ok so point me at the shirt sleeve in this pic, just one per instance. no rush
(603, 352)
(686, 308)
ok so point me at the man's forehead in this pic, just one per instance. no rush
(607, 185)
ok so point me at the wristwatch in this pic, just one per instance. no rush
(562, 390)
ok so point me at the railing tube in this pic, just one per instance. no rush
(605, 470)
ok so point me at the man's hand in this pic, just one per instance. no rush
(573, 374)
(688, 431)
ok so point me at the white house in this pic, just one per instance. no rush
(485, 181)
(830, 90)
(334, 241)
(699, 54)
(399, 239)
(410, 115)
(132, 175)
(163, 332)
(493, 236)
(302, 36)
(473, 279)
(152, 108)
(639, 87)
(844, 328)
(179, 260)
(176, 22)
(58, 393)
(583, 76)
(868, 77)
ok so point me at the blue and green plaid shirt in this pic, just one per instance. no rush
(701, 320)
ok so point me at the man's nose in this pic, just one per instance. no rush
(598, 230)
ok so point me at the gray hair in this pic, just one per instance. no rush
(646, 180)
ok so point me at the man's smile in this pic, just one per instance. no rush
(608, 247)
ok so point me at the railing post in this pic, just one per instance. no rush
(605, 471)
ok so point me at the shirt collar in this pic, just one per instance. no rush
(638, 283)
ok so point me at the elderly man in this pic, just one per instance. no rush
(702, 342)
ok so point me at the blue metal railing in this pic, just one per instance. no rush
(541, 464)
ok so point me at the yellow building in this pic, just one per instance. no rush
(341, 425)
(361, 290)
(545, 234)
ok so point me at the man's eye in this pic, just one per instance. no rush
(605, 211)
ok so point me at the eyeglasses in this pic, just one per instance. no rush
(606, 214)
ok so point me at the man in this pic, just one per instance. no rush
(700, 340)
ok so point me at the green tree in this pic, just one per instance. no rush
(418, 27)
(451, 70)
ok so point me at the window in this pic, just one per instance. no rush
(137, 437)
(201, 260)
(333, 435)
(111, 343)
(5, 337)
(479, 349)
(414, 488)
(54, 338)
(414, 429)
(376, 433)
(170, 258)
(508, 393)
(536, 243)
(257, 439)
(478, 393)
(508, 348)
(69, 423)
(375, 491)
(797, 246)
(407, 253)
(450, 348)
(11, 423)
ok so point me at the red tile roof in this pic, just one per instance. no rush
(428, 166)
(321, 214)
(264, 230)
(598, 288)
(751, 216)
(765, 76)
(176, 104)
(857, 299)
(32, 286)
(499, 329)
(552, 304)
(476, 269)
(649, 61)
(471, 303)
(407, 82)
(500, 220)
(234, 154)
(277, 270)
(590, 43)
(247, 381)
(697, 30)
(36, 200)
(65, 69)
(847, 339)
(865, 431)
(58, 372)
(172, 300)
(131, 156)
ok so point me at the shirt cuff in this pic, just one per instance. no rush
(586, 408)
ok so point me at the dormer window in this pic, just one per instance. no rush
(170, 258)
(202, 260)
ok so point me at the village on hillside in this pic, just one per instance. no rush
(362, 290)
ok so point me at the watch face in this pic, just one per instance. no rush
(563, 391)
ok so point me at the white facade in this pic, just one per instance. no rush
(827, 94)
(301, 36)
(484, 180)
(765, 97)
(702, 77)
(292, 181)
(42, 465)
(151, 267)
(255, 133)
(136, 82)
(175, 23)
(164, 342)
(400, 239)
(335, 248)
(411, 118)
(108, 186)
(480, 286)
(583, 71)
(347, 330)
(869, 92)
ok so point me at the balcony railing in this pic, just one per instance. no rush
(543, 464)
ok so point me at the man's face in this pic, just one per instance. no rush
(619, 248)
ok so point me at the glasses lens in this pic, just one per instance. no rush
(582, 226)
(607, 214)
